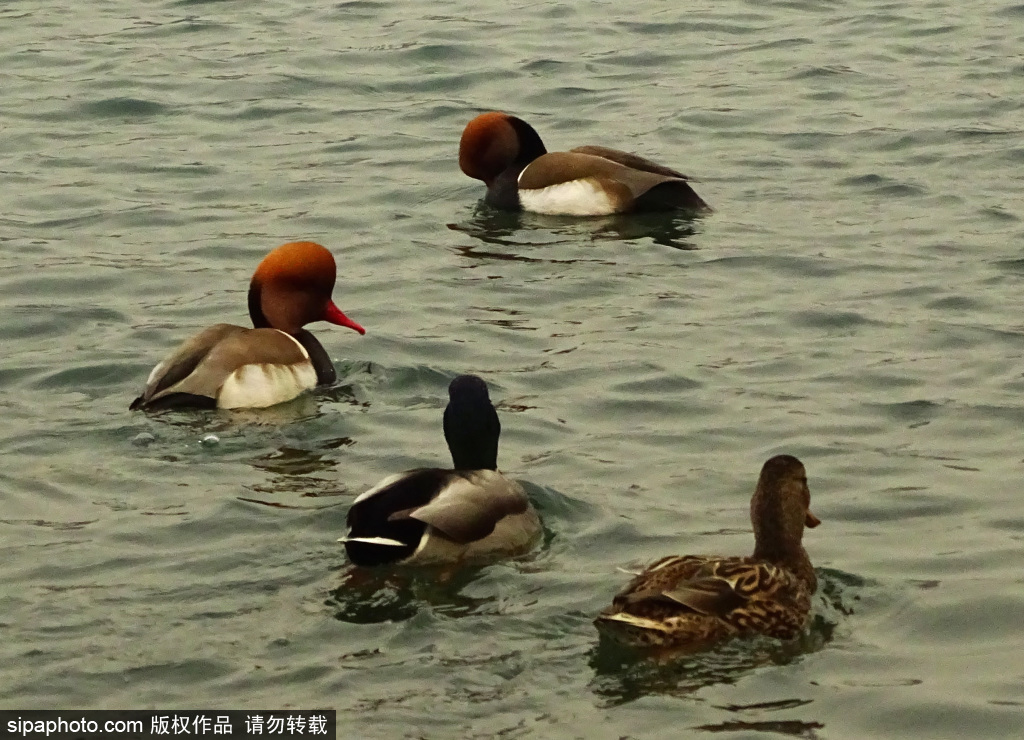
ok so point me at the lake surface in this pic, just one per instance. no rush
(855, 300)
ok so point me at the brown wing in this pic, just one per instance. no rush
(201, 364)
(556, 168)
(633, 161)
(717, 587)
(649, 187)
(184, 359)
(691, 600)
(677, 585)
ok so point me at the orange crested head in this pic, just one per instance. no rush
(490, 143)
(292, 287)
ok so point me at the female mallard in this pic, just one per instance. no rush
(692, 599)
(433, 516)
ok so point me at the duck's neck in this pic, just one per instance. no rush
(259, 320)
(325, 372)
(472, 437)
(792, 558)
(530, 144)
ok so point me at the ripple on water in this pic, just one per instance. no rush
(852, 300)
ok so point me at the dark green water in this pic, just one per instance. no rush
(854, 300)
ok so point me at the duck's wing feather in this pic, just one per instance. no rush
(200, 365)
(557, 168)
(470, 504)
(709, 596)
(407, 476)
(433, 508)
(711, 586)
(184, 359)
(625, 187)
(375, 536)
(628, 159)
(689, 600)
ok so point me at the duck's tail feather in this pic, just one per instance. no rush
(374, 541)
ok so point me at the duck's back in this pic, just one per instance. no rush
(430, 515)
(694, 599)
(230, 366)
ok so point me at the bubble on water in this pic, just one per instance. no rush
(210, 440)
(143, 439)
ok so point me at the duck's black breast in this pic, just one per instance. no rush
(325, 372)
(503, 192)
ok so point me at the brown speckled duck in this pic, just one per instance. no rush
(695, 599)
(509, 156)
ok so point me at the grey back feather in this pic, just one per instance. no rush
(201, 364)
(556, 168)
(471, 504)
(633, 161)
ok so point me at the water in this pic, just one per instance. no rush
(854, 300)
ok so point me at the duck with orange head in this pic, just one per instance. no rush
(507, 154)
(229, 366)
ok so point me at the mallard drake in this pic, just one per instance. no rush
(694, 599)
(229, 367)
(429, 516)
(509, 156)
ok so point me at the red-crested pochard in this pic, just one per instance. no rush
(228, 366)
(508, 155)
(426, 516)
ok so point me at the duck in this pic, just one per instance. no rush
(694, 600)
(468, 514)
(229, 367)
(508, 155)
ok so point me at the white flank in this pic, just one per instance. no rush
(259, 386)
(574, 198)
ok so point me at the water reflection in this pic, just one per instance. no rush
(670, 229)
(299, 409)
(791, 727)
(491, 225)
(291, 461)
(502, 229)
(623, 675)
(345, 393)
(304, 407)
(367, 596)
(294, 470)
(231, 434)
